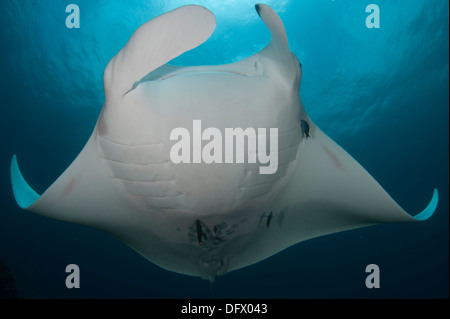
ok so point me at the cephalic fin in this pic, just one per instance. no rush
(155, 43)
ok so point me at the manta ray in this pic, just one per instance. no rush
(207, 219)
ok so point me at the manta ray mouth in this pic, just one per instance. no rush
(202, 73)
(253, 68)
(156, 77)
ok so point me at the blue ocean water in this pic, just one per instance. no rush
(382, 94)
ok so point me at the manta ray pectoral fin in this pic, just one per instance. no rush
(329, 182)
(155, 43)
(328, 192)
(85, 193)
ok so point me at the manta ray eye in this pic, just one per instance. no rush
(305, 128)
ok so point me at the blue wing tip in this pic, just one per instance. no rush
(25, 196)
(430, 209)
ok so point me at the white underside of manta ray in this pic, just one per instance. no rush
(208, 219)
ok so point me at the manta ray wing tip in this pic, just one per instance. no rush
(25, 196)
(430, 209)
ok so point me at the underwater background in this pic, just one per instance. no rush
(382, 94)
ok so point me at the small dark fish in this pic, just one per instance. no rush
(216, 228)
(305, 128)
(269, 218)
(200, 233)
